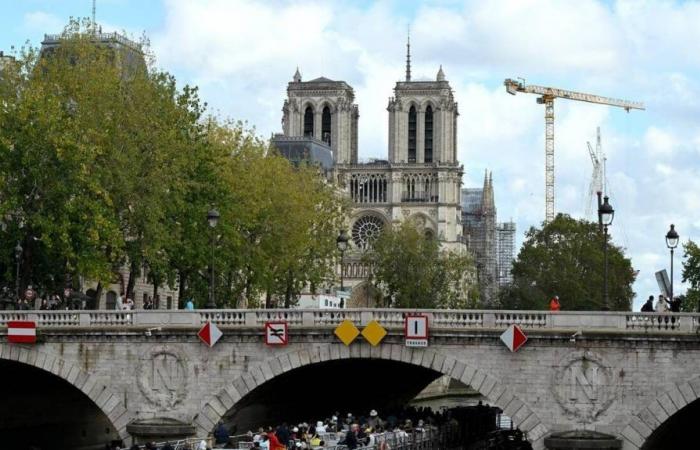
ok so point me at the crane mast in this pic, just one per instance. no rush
(597, 177)
(547, 96)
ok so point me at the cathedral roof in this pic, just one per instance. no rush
(321, 80)
(322, 83)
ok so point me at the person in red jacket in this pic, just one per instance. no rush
(554, 304)
(275, 443)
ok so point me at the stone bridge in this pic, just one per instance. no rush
(139, 374)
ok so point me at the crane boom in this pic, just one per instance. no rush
(547, 96)
(594, 158)
(513, 86)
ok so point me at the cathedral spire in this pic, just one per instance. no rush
(490, 202)
(297, 76)
(408, 54)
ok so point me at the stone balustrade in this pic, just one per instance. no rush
(446, 320)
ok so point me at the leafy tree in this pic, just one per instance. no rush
(566, 258)
(414, 272)
(104, 162)
(691, 274)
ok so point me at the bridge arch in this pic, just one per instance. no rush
(643, 426)
(97, 392)
(490, 387)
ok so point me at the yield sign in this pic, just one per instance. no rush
(514, 338)
(209, 334)
(276, 333)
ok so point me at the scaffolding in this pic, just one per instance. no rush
(505, 252)
(491, 243)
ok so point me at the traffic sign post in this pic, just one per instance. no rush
(276, 333)
(416, 330)
(514, 338)
(210, 334)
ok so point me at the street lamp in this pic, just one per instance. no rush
(213, 220)
(342, 243)
(18, 259)
(672, 243)
(606, 214)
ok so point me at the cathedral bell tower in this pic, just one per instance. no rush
(323, 109)
(422, 120)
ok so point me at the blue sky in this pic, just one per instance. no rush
(242, 54)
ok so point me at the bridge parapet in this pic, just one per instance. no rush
(440, 320)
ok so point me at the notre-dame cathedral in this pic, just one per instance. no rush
(420, 180)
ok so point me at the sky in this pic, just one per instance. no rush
(243, 53)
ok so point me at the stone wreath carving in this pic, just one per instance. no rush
(583, 385)
(163, 376)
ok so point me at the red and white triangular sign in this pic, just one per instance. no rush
(514, 338)
(209, 334)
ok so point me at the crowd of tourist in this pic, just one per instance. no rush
(32, 298)
(662, 305)
(350, 431)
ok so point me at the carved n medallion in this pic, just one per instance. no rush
(163, 376)
(583, 385)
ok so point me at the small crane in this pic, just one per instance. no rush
(547, 96)
(598, 176)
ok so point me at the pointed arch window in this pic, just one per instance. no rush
(308, 121)
(326, 125)
(412, 134)
(428, 134)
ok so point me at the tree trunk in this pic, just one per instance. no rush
(246, 289)
(98, 294)
(268, 298)
(133, 274)
(288, 291)
(156, 301)
(182, 287)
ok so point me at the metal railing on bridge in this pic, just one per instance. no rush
(440, 320)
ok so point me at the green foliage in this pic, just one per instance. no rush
(566, 258)
(105, 163)
(414, 272)
(691, 275)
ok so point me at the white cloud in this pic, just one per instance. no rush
(43, 22)
(659, 142)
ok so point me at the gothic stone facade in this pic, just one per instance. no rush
(419, 181)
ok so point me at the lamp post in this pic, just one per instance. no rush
(672, 243)
(606, 213)
(213, 220)
(342, 243)
(18, 259)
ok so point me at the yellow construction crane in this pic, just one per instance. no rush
(547, 96)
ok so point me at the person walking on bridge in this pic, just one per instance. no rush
(554, 304)
(661, 304)
(649, 305)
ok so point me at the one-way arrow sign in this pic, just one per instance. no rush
(514, 338)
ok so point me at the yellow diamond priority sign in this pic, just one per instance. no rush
(346, 331)
(374, 333)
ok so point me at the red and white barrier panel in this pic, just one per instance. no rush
(21, 332)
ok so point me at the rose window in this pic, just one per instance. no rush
(366, 230)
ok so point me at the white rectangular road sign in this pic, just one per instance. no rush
(416, 330)
(276, 333)
(416, 326)
(663, 282)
